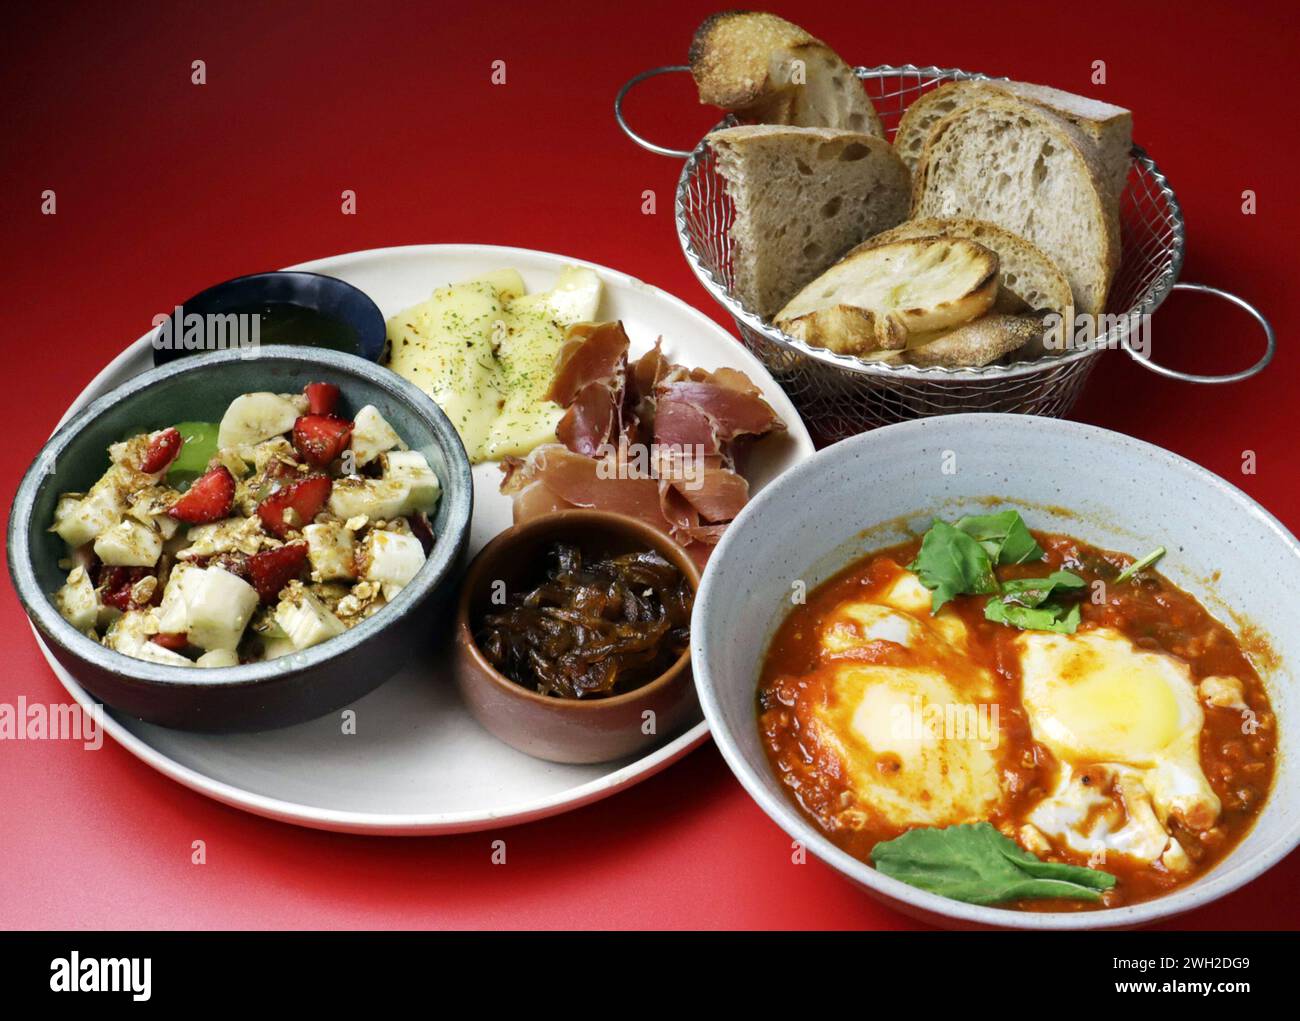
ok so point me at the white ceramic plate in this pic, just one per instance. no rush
(418, 763)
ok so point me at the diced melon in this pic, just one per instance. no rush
(129, 544)
(78, 601)
(377, 499)
(212, 605)
(411, 468)
(330, 547)
(78, 522)
(218, 658)
(390, 559)
(306, 620)
(372, 435)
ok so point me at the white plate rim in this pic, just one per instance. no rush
(414, 824)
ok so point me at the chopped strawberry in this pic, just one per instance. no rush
(116, 587)
(273, 569)
(162, 450)
(294, 505)
(319, 439)
(209, 499)
(321, 397)
(236, 563)
(174, 640)
(422, 530)
(116, 584)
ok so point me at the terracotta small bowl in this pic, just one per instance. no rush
(561, 729)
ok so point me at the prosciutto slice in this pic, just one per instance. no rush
(651, 439)
(590, 377)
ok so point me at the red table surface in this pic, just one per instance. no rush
(164, 187)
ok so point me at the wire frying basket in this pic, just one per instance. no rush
(839, 395)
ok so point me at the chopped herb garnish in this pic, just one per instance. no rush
(1140, 565)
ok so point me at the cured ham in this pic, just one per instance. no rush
(647, 438)
(589, 381)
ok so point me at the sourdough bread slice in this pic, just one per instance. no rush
(1018, 166)
(1109, 128)
(803, 197)
(979, 342)
(768, 70)
(878, 296)
(1028, 280)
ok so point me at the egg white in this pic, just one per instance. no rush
(910, 731)
(1125, 725)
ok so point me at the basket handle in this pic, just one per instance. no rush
(631, 83)
(1232, 377)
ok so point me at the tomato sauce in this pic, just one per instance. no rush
(1238, 760)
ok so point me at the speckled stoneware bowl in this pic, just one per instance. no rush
(881, 487)
(281, 691)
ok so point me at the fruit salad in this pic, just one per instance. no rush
(212, 545)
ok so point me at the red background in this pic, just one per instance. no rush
(165, 187)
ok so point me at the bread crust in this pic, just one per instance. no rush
(1001, 241)
(729, 55)
(1069, 137)
(859, 323)
(978, 342)
(738, 59)
(774, 204)
(1107, 128)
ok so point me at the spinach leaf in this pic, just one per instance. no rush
(1047, 617)
(1140, 565)
(1035, 591)
(1004, 537)
(1024, 603)
(951, 563)
(977, 864)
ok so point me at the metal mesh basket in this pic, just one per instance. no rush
(839, 395)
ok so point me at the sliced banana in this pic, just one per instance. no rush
(252, 418)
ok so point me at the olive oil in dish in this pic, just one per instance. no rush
(283, 322)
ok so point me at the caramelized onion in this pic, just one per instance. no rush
(591, 629)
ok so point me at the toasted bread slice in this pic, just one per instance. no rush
(1109, 128)
(978, 342)
(1016, 165)
(1027, 279)
(803, 197)
(768, 70)
(874, 298)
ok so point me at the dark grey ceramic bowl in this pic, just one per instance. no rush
(282, 691)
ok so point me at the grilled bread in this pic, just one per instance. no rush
(875, 298)
(803, 197)
(768, 70)
(978, 342)
(1027, 279)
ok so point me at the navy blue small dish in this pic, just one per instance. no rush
(283, 307)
